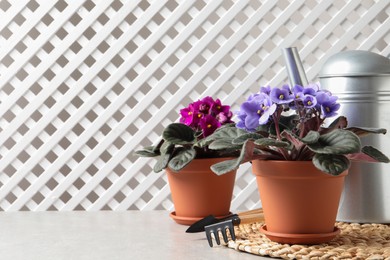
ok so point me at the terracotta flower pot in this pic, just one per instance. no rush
(300, 202)
(198, 192)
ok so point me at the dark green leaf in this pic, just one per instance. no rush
(369, 154)
(311, 137)
(162, 162)
(375, 154)
(221, 144)
(225, 126)
(147, 152)
(364, 131)
(227, 133)
(225, 166)
(337, 142)
(271, 142)
(203, 142)
(331, 163)
(178, 133)
(339, 123)
(181, 159)
(166, 147)
(292, 138)
(242, 138)
(246, 155)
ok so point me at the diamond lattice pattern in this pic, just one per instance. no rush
(85, 83)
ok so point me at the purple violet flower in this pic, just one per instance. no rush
(329, 109)
(309, 101)
(253, 111)
(241, 117)
(298, 92)
(265, 90)
(268, 109)
(281, 96)
(325, 96)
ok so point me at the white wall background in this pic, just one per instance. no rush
(85, 83)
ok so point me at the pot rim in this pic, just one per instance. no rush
(198, 164)
(280, 169)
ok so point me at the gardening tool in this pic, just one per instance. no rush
(209, 220)
(228, 225)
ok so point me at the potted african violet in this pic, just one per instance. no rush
(185, 156)
(299, 163)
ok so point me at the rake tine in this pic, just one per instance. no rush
(216, 236)
(219, 227)
(209, 238)
(229, 224)
(224, 235)
(232, 234)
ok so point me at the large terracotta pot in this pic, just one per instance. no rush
(198, 192)
(300, 202)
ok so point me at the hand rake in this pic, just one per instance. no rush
(228, 225)
(200, 224)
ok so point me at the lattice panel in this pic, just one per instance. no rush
(85, 83)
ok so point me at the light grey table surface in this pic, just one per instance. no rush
(104, 235)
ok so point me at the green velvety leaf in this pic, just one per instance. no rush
(162, 162)
(166, 147)
(339, 123)
(375, 154)
(147, 152)
(242, 138)
(225, 166)
(331, 163)
(227, 133)
(364, 131)
(337, 142)
(270, 142)
(178, 133)
(182, 158)
(222, 144)
(225, 126)
(204, 142)
(292, 138)
(229, 165)
(311, 137)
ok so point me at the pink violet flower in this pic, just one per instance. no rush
(206, 115)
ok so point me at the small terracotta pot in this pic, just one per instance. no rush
(297, 198)
(198, 192)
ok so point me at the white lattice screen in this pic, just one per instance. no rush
(85, 83)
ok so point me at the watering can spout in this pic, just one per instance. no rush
(295, 71)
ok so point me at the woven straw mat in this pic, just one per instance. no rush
(356, 241)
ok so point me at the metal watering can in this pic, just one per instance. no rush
(361, 80)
